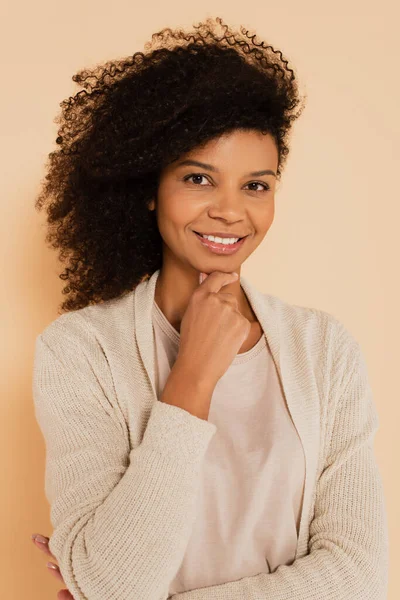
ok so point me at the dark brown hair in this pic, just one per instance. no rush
(132, 118)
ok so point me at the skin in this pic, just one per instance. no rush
(227, 200)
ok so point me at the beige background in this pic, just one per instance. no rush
(333, 244)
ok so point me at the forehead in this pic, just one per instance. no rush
(247, 148)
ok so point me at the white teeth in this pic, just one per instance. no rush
(221, 240)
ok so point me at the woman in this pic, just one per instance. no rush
(203, 439)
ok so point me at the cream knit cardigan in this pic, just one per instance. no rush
(122, 468)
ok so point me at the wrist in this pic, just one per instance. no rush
(185, 390)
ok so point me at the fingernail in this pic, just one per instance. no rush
(39, 538)
(52, 566)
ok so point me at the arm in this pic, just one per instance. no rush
(348, 542)
(121, 517)
(185, 390)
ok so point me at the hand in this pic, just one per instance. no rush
(212, 329)
(63, 594)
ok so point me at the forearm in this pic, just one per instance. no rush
(185, 390)
(122, 513)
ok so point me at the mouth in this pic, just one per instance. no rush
(201, 235)
(218, 248)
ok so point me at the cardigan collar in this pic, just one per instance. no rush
(277, 319)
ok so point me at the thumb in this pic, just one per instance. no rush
(202, 277)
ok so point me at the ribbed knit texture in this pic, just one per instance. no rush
(122, 468)
(253, 473)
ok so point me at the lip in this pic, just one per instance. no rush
(221, 234)
(227, 249)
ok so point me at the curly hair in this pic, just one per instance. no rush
(135, 116)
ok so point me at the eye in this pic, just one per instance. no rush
(193, 175)
(265, 186)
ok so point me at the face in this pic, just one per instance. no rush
(222, 195)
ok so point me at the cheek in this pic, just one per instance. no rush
(175, 220)
(270, 216)
(264, 217)
(180, 211)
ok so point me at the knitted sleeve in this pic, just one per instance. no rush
(348, 536)
(121, 516)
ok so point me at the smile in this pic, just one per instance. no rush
(220, 248)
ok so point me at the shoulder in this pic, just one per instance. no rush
(89, 329)
(66, 335)
(79, 343)
(317, 332)
(309, 318)
(324, 345)
(70, 353)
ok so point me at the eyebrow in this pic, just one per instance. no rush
(197, 163)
